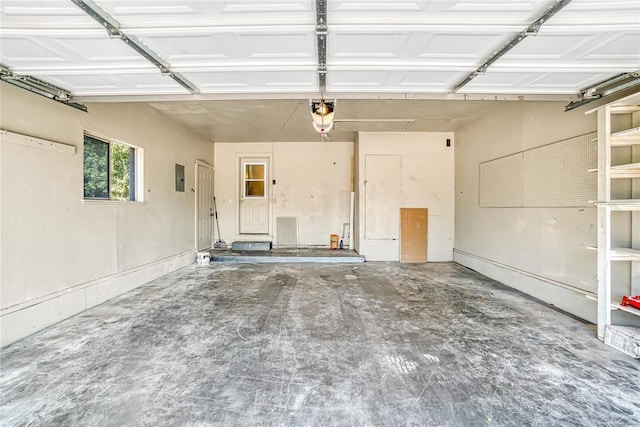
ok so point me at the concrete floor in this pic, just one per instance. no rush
(317, 344)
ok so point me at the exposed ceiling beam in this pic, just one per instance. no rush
(531, 30)
(321, 35)
(114, 31)
(39, 87)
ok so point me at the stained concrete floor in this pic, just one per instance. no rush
(273, 344)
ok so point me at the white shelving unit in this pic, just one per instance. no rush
(619, 222)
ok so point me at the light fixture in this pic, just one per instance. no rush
(322, 113)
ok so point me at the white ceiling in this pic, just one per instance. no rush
(266, 49)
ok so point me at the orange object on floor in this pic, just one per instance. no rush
(334, 241)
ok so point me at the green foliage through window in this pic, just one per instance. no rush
(109, 170)
(121, 156)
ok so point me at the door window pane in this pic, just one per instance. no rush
(255, 176)
(254, 172)
(254, 188)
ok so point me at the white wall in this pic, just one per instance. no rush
(313, 184)
(427, 181)
(60, 255)
(541, 251)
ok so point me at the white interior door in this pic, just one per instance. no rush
(254, 196)
(204, 205)
(383, 196)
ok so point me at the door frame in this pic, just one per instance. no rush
(270, 199)
(201, 163)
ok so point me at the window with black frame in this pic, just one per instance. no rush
(109, 169)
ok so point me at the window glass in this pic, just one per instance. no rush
(254, 188)
(254, 172)
(121, 171)
(109, 170)
(96, 168)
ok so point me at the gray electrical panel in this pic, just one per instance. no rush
(180, 178)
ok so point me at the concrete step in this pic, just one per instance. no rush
(251, 246)
(257, 259)
(279, 255)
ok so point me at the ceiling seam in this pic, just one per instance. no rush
(112, 26)
(531, 30)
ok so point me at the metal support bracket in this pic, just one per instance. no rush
(39, 87)
(321, 36)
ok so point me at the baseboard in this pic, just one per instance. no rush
(573, 300)
(24, 319)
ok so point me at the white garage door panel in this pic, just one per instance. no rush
(371, 45)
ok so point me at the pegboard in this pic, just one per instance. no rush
(554, 175)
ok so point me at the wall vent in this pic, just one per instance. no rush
(287, 232)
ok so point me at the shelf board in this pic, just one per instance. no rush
(626, 166)
(625, 109)
(626, 137)
(624, 142)
(621, 204)
(627, 133)
(621, 254)
(627, 308)
(625, 254)
(630, 170)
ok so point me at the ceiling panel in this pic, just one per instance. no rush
(20, 51)
(357, 80)
(367, 44)
(92, 84)
(303, 80)
(431, 81)
(188, 13)
(533, 82)
(615, 47)
(261, 46)
(552, 46)
(39, 53)
(274, 45)
(375, 48)
(564, 81)
(220, 80)
(246, 82)
(29, 15)
(473, 46)
(189, 47)
(442, 11)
